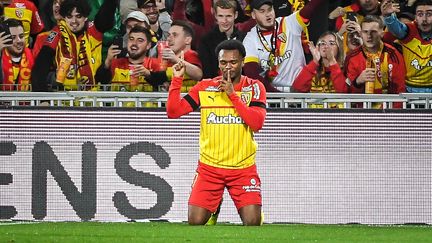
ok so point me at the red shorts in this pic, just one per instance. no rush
(244, 186)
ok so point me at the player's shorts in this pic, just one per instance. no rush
(244, 186)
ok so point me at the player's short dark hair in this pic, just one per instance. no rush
(373, 19)
(231, 45)
(187, 28)
(141, 29)
(81, 6)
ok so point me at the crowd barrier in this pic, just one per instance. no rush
(158, 99)
(320, 166)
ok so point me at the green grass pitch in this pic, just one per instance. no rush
(181, 232)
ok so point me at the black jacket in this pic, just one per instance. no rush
(207, 47)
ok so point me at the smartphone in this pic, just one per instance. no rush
(351, 16)
(118, 41)
(5, 28)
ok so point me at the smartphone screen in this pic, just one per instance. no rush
(351, 16)
(5, 28)
(118, 41)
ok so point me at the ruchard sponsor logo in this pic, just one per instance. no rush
(212, 88)
(212, 118)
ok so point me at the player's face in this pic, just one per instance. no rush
(151, 11)
(423, 18)
(230, 61)
(264, 16)
(177, 39)
(137, 45)
(327, 43)
(75, 21)
(368, 5)
(225, 18)
(371, 34)
(56, 9)
(18, 41)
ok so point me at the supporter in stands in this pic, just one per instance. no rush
(74, 41)
(225, 13)
(359, 8)
(179, 13)
(180, 38)
(274, 53)
(416, 40)
(159, 18)
(135, 72)
(27, 13)
(353, 13)
(16, 58)
(135, 18)
(323, 74)
(41, 37)
(375, 67)
(234, 109)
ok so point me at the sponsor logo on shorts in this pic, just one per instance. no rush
(253, 187)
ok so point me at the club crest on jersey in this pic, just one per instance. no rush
(19, 13)
(212, 118)
(282, 37)
(246, 97)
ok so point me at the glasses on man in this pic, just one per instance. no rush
(325, 43)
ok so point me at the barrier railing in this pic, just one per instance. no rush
(158, 99)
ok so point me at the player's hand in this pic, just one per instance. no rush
(227, 85)
(388, 7)
(5, 40)
(179, 68)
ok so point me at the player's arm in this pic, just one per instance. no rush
(178, 106)
(254, 114)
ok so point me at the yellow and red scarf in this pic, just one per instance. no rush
(83, 51)
(17, 76)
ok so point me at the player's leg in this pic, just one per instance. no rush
(244, 186)
(198, 215)
(215, 215)
(251, 215)
(206, 195)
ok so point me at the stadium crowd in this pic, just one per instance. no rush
(321, 46)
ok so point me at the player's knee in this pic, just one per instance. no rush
(196, 220)
(252, 221)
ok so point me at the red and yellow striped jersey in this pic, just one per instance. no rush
(417, 54)
(226, 141)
